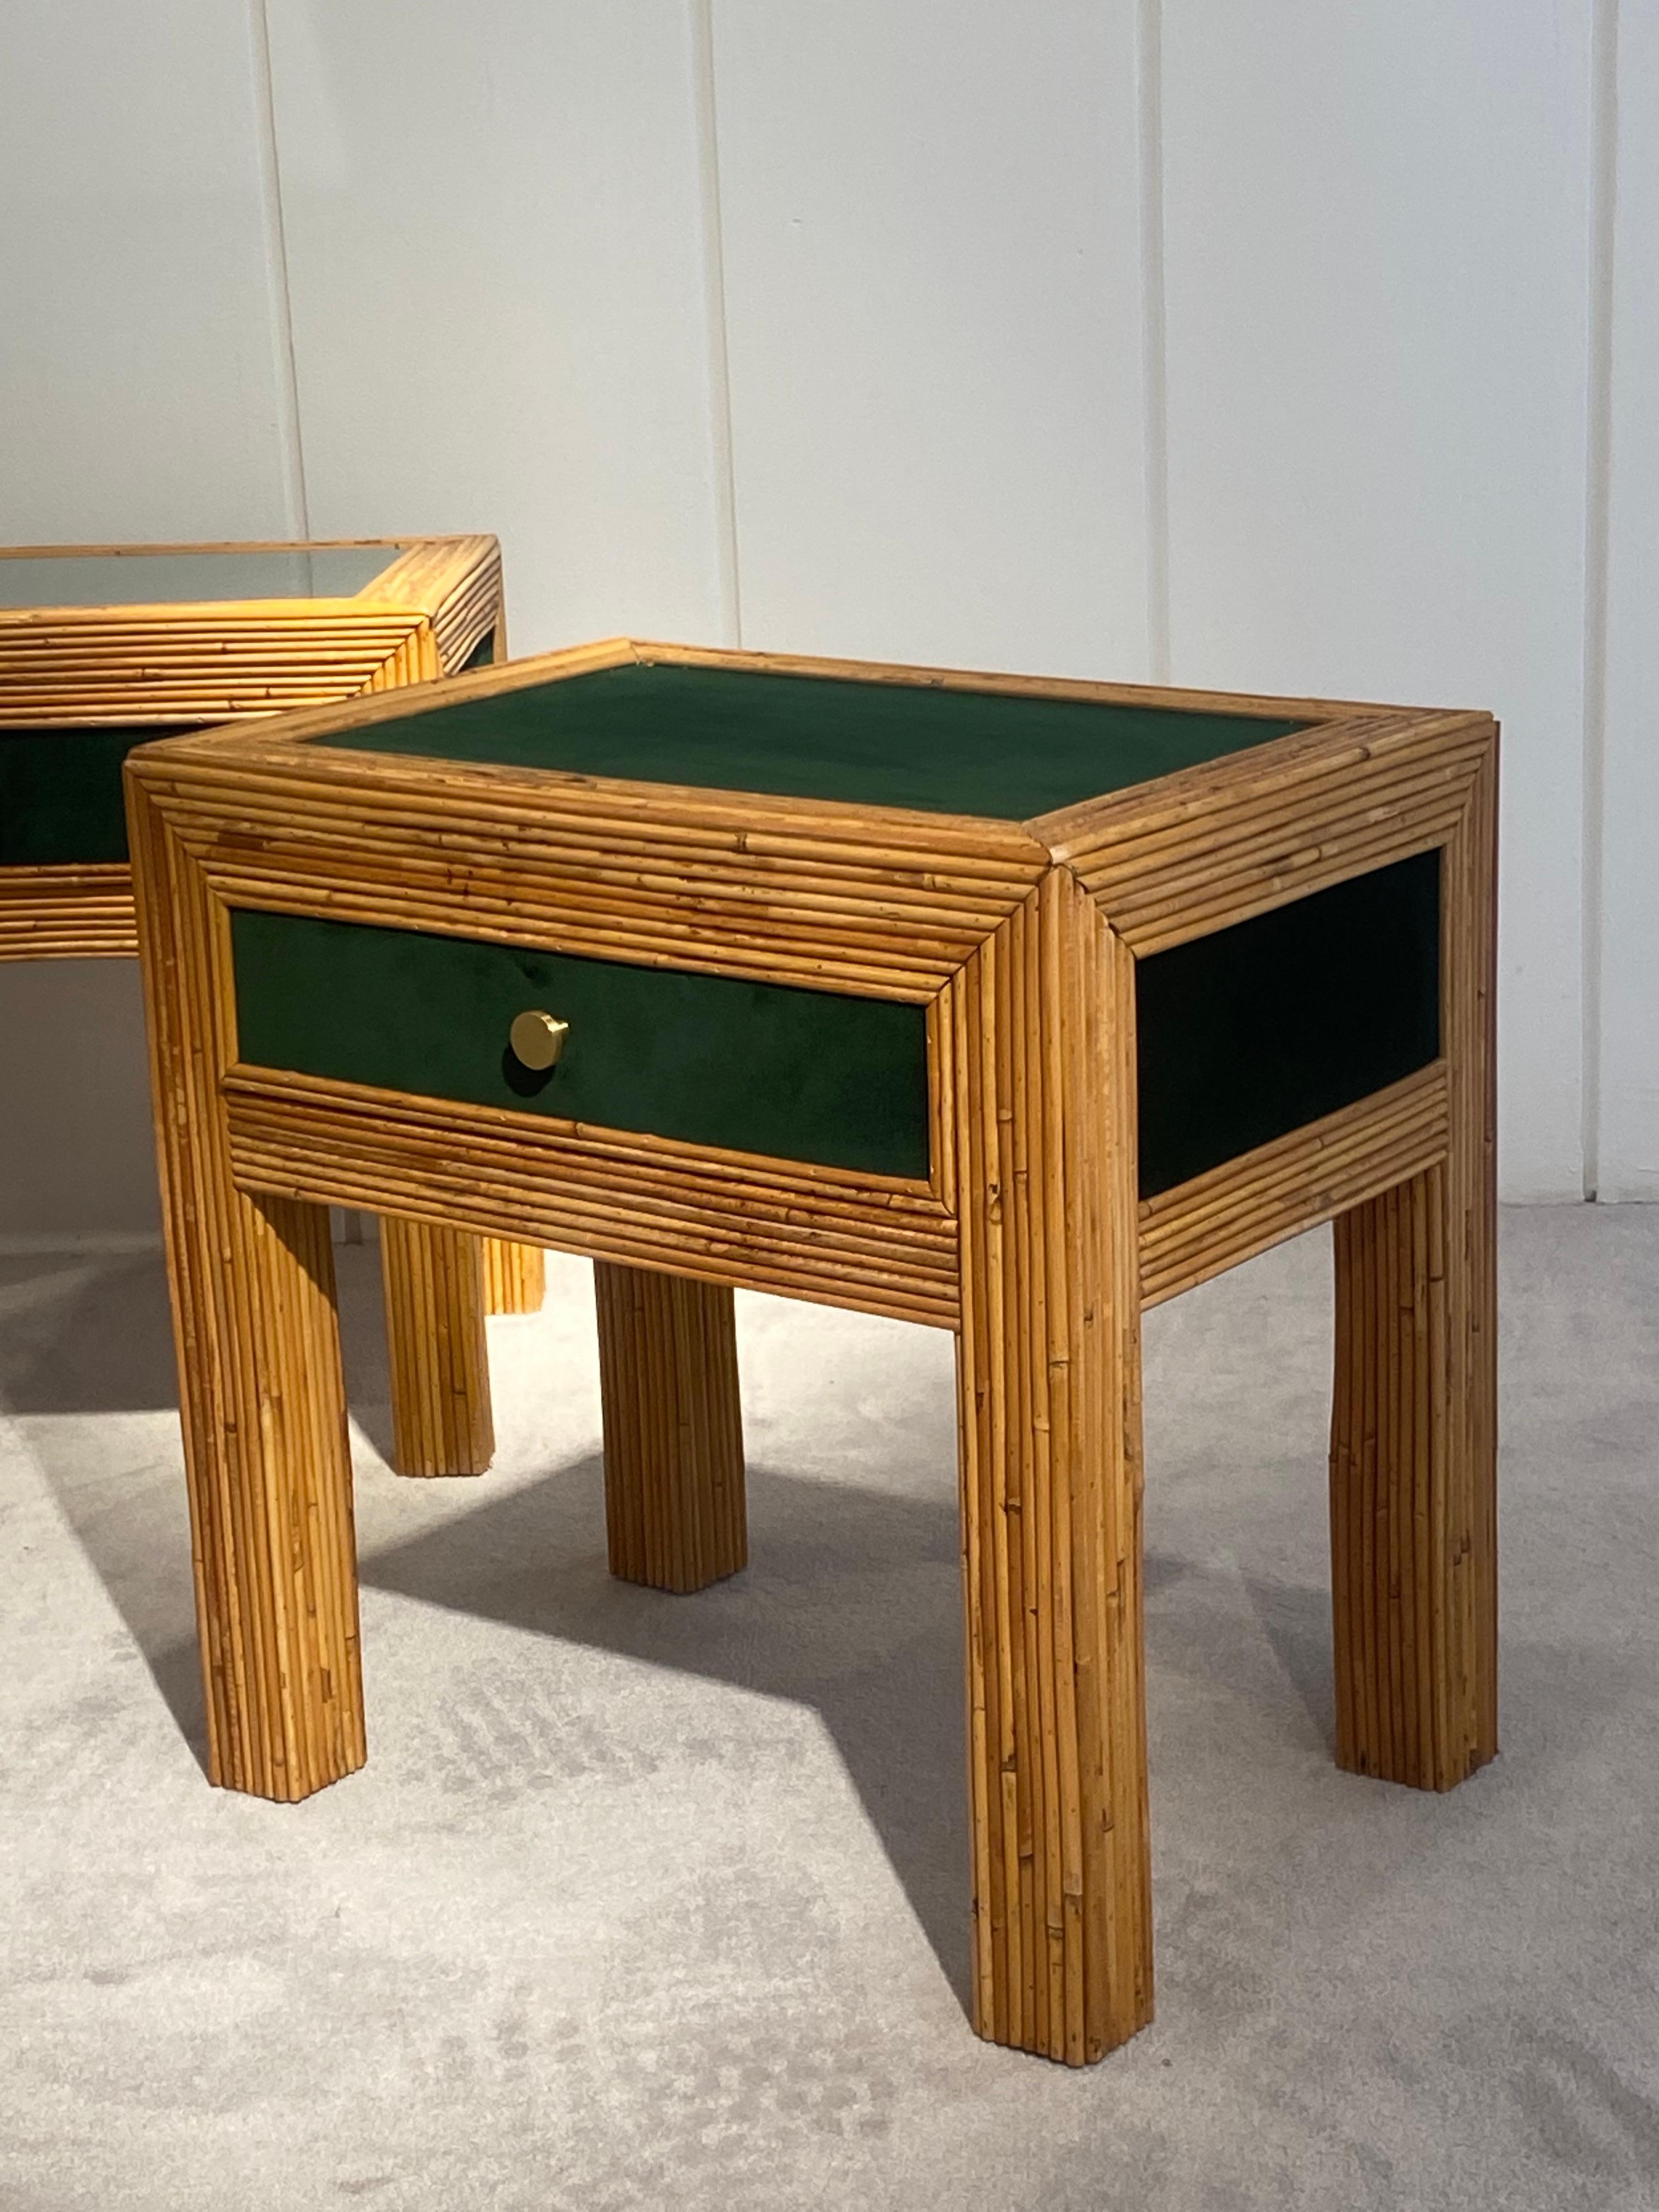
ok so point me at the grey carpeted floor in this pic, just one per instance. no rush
(649, 1902)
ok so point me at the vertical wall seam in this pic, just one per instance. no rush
(1154, 349)
(722, 460)
(1598, 494)
(295, 501)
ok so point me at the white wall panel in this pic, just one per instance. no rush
(932, 225)
(1374, 361)
(495, 263)
(139, 388)
(1377, 221)
(1628, 1164)
(140, 397)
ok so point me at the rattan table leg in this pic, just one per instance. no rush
(1049, 1393)
(1414, 1422)
(1412, 1477)
(262, 1395)
(515, 1277)
(673, 1428)
(437, 1357)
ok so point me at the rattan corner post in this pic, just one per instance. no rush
(1018, 1068)
(1413, 1428)
(102, 644)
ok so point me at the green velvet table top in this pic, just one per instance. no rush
(1003, 755)
(141, 577)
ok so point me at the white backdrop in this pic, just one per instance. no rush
(1289, 346)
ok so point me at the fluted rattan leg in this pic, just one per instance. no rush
(673, 1428)
(1042, 1019)
(1414, 1424)
(1411, 1510)
(262, 1396)
(437, 1358)
(515, 1277)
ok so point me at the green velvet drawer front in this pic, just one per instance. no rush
(711, 1060)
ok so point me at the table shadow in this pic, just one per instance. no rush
(851, 1606)
(92, 1334)
(85, 1333)
(1296, 1620)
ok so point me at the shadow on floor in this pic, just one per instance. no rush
(93, 1334)
(851, 1606)
(85, 1333)
(1297, 1623)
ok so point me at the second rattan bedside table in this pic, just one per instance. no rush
(104, 646)
(1004, 1006)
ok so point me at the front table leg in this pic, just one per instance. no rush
(674, 1505)
(262, 1396)
(269, 1468)
(1049, 1368)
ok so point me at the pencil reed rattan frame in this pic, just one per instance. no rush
(432, 606)
(1028, 1237)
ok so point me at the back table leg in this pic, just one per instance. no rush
(515, 1277)
(1414, 1419)
(437, 1356)
(1412, 1494)
(439, 1286)
(673, 1428)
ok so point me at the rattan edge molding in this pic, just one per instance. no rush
(426, 611)
(223, 660)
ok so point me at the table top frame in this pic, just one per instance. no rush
(216, 661)
(876, 901)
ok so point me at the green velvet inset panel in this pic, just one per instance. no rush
(750, 1067)
(1258, 1029)
(60, 794)
(800, 737)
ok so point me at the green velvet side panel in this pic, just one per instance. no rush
(60, 794)
(889, 744)
(1258, 1029)
(752, 1068)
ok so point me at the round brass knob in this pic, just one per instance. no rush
(537, 1039)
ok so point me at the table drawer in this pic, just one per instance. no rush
(765, 1068)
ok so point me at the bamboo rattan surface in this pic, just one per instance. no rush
(1033, 945)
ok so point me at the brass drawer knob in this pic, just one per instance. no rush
(537, 1039)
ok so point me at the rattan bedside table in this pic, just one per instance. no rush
(1006, 1006)
(104, 646)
